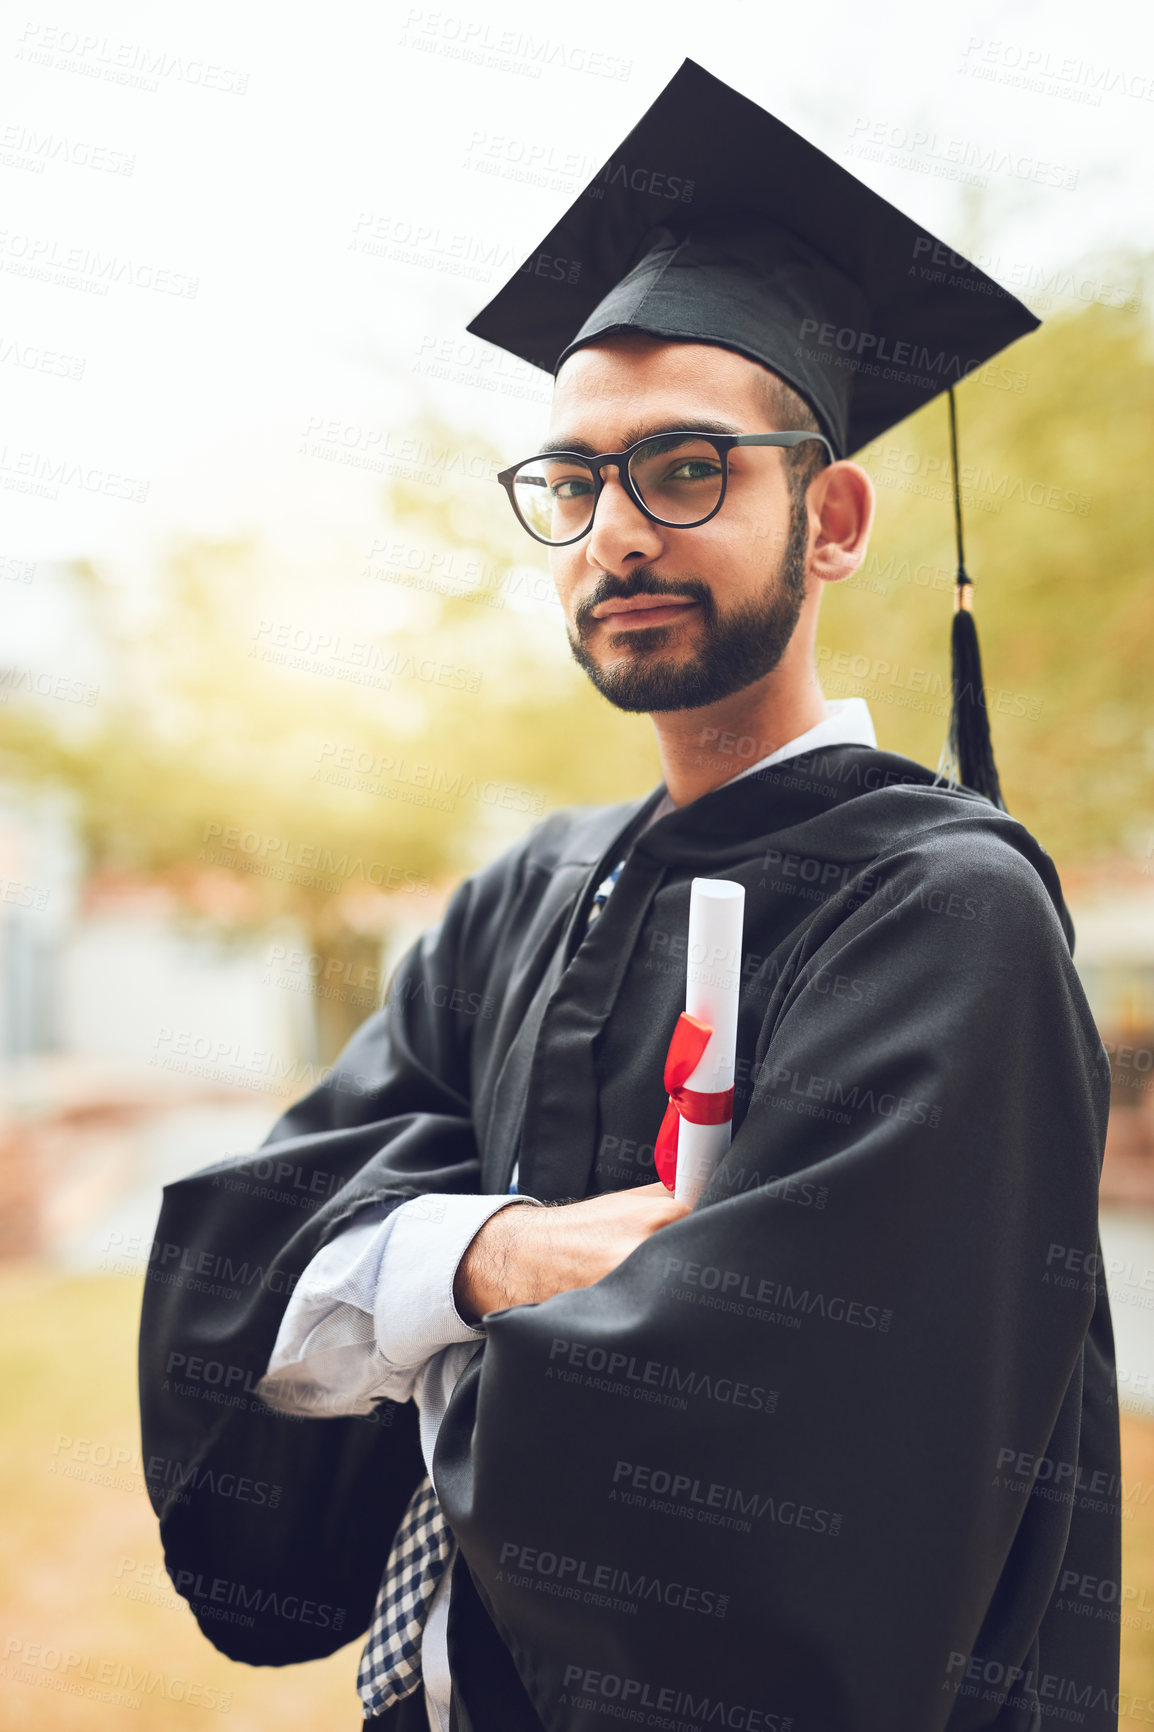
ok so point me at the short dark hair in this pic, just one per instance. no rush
(789, 412)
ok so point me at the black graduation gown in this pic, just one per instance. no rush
(838, 1450)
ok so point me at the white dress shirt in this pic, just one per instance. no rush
(373, 1313)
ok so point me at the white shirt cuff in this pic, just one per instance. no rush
(374, 1305)
(414, 1311)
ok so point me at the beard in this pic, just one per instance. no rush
(739, 647)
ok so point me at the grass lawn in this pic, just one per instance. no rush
(80, 1569)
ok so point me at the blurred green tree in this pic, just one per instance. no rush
(1055, 438)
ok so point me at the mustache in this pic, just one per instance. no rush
(640, 582)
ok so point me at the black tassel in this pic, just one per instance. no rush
(968, 755)
(970, 746)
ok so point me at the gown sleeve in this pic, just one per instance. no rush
(756, 1474)
(293, 1574)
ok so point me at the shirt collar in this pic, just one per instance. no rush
(848, 723)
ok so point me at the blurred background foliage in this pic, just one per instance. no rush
(1058, 521)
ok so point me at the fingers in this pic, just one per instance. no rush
(657, 1189)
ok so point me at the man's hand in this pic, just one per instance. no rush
(523, 1254)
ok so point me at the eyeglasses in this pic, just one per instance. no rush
(675, 479)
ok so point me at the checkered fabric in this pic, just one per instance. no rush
(390, 1666)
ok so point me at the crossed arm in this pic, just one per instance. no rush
(521, 1256)
(382, 1298)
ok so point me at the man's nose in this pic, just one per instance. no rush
(621, 534)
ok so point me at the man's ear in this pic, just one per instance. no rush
(840, 504)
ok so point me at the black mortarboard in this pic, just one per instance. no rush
(714, 222)
(717, 223)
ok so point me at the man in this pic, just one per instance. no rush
(816, 1452)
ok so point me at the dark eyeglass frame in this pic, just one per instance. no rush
(723, 444)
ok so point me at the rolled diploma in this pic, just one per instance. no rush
(712, 985)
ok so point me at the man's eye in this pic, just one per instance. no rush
(573, 487)
(694, 469)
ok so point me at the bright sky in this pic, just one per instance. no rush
(250, 336)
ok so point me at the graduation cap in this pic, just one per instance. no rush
(713, 222)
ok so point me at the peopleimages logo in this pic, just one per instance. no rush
(583, 1685)
(624, 1373)
(523, 1565)
(869, 345)
(205, 1594)
(714, 1501)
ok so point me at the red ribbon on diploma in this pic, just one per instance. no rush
(690, 1039)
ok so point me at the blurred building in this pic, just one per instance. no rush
(133, 1045)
